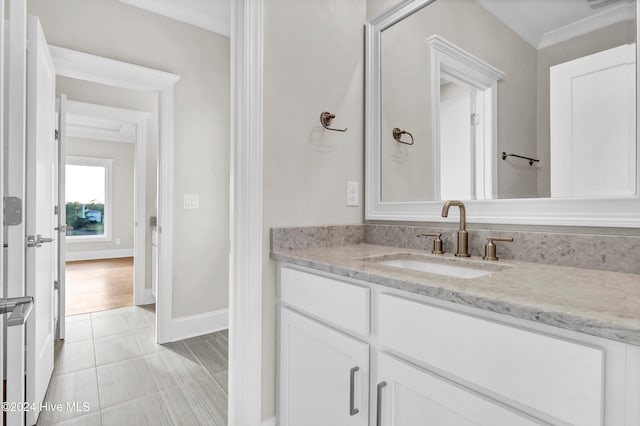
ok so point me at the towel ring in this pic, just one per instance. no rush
(326, 118)
(397, 135)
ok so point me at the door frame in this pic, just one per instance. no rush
(98, 69)
(456, 64)
(247, 233)
(15, 125)
(96, 112)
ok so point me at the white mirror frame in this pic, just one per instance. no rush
(600, 212)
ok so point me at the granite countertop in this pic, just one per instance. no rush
(600, 303)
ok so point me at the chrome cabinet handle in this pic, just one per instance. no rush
(352, 379)
(381, 385)
(19, 307)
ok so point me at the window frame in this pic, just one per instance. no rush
(107, 163)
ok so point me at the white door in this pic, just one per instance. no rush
(405, 395)
(324, 375)
(456, 143)
(39, 214)
(593, 136)
(61, 217)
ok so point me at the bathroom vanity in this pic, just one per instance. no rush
(366, 340)
(463, 102)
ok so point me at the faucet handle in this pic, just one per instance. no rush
(490, 248)
(437, 242)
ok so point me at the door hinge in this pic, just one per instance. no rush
(56, 134)
(56, 210)
(56, 285)
(475, 119)
(12, 211)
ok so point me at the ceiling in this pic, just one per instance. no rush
(212, 15)
(543, 23)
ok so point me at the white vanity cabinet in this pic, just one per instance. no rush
(425, 361)
(323, 371)
(324, 374)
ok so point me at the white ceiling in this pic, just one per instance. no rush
(212, 15)
(544, 23)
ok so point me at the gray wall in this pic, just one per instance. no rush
(122, 211)
(313, 63)
(201, 158)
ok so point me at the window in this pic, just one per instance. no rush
(88, 198)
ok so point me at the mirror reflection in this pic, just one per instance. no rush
(509, 99)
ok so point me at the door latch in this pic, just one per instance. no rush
(37, 241)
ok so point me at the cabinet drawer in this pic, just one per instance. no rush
(337, 302)
(557, 380)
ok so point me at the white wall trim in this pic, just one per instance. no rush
(84, 66)
(147, 297)
(245, 294)
(197, 325)
(98, 254)
(270, 422)
(613, 15)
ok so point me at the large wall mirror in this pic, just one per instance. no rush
(525, 110)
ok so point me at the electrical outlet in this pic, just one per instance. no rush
(353, 194)
(191, 201)
(117, 240)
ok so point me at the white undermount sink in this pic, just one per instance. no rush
(449, 267)
(436, 268)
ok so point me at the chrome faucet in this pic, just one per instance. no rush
(463, 235)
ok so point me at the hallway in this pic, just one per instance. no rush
(111, 362)
(98, 285)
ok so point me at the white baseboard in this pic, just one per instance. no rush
(147, 297)
(98, 254)
(270, 422)
(197, 325)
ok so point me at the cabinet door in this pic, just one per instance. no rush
(406, 395)
(324, 374)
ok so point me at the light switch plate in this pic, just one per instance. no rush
(353, 194)
(191, 201)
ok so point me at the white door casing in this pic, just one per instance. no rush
(245, 292)
(88, 67)
(2, 145)
(41, 158)
(62, 216)
(15, 126)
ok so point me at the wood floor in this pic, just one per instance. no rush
(98, 285)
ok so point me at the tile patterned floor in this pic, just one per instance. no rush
(110, 361)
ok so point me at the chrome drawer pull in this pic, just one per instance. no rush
(352, 379)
